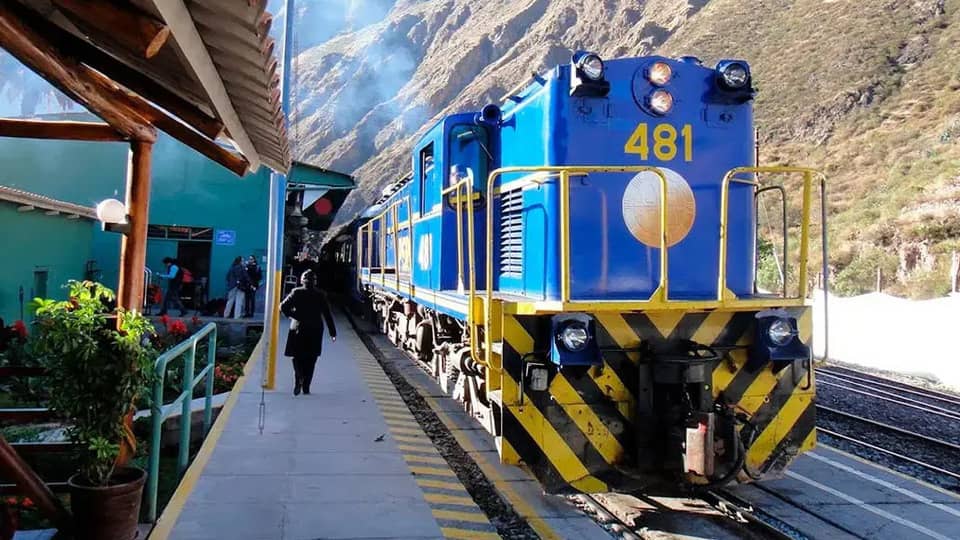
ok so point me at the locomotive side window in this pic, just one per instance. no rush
(429, 196)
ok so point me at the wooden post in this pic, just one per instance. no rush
(133, 246)
(879, 279)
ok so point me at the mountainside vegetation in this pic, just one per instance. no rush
(867, 91)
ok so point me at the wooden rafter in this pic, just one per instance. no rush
(129, 77)
(119, 22)
(65, 73)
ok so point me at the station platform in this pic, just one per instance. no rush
(828, 493)
(348, 461)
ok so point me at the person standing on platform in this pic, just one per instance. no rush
(254, 275)
(307, 306)
(237, 282)
(175, 276)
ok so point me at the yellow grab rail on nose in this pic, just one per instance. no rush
(808, 175)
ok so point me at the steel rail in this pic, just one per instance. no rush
(889, 427)
(889, 452)
(893, 385)
(926, 407)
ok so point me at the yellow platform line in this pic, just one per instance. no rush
(417, 448)
(440, 484)
(425, 459)
(426, 462)
(456, 515)
(442, 498)
(436, 471)
(537, 523)
(466, 534)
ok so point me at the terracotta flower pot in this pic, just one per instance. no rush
(111, 512)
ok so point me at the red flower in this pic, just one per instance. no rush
(11, 501)
(177, 328)
(20, 329)
(27, 502)
(165, 319)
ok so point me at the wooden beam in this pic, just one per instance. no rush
(176, 15)
(133, 246)
(37, 52)
(176, 129)
(70, 131)
(131, 78)
(122, 23)
(84, 52)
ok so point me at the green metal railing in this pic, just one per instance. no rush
(160, 412)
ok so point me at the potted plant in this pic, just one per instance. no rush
(99, 361)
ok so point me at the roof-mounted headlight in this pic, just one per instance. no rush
(591, 65)
(587, 75)
(733, 75)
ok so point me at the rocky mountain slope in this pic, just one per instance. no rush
(865, 89)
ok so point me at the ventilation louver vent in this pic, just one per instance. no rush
(511, 232)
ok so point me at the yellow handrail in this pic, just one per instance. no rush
(808, 175)
(462, 185)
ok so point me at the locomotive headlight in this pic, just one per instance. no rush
(659, 73)
(574, 336)
(780, 332)
(592, 66)
(660, 101)
(734, 75)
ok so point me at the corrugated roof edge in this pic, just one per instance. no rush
(26, 198)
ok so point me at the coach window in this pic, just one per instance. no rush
(428, 183)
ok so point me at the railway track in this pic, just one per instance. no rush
(911, 429)
(926, 399)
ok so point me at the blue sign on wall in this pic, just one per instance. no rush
(226, 237)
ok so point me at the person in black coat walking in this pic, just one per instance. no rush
(308, 307)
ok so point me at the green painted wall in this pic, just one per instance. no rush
(187, 190)
(34, 241)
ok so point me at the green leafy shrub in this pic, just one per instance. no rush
(99, 362)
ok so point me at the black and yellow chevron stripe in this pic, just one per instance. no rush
(580, 433)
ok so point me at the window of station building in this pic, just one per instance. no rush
(177, 232)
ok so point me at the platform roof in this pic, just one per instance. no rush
(206, 64)
(313, 176)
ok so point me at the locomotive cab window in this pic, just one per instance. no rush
(469, 154)
(429, 187)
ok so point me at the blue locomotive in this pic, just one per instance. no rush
(578, 267)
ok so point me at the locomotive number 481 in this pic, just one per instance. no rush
(665, 144)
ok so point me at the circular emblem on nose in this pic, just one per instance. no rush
(641, 207)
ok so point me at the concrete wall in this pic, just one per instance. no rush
(187, 190)
(32, 241)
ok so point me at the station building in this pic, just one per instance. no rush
(200, 213)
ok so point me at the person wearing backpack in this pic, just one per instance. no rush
(175, 276)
